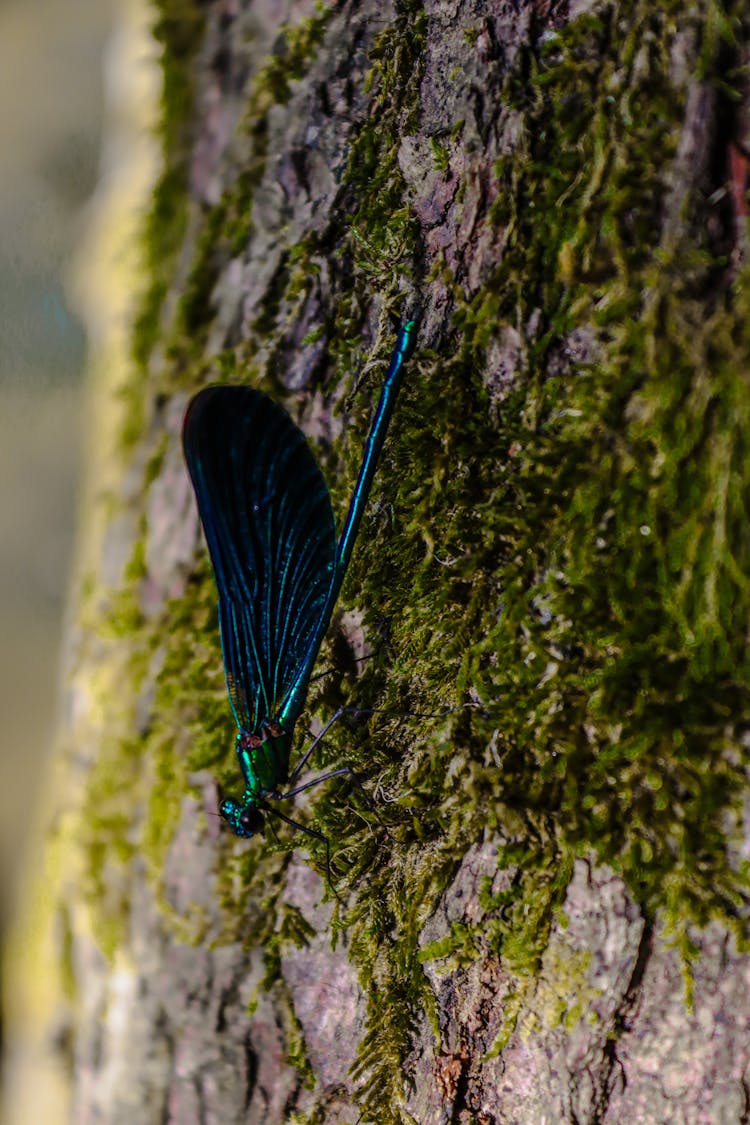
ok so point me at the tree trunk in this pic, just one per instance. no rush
(543, 915)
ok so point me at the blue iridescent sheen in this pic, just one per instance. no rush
(267, 517)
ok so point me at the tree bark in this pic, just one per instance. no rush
(544, 916)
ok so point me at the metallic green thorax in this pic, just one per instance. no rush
(264, 760)
(261, 756)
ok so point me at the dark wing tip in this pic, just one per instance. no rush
(212, 409)
(197, 407)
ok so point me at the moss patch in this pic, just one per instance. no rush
(572, 559)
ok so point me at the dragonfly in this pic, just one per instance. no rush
(268, 522)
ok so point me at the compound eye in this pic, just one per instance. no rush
(229, 810)
(251, 821)
(244, 820)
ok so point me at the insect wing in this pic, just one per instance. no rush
(267, 517)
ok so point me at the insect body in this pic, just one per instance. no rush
(267, 516)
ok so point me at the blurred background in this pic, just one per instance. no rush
(51, 121)
(77, 155)
(52, 56)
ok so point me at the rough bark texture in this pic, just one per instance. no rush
(552, 928)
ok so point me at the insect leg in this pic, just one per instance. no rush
(362, 711)
(313, 781)
(340, 772)
(319, 737)
(308, 832)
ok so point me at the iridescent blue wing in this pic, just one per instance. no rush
(267, 517)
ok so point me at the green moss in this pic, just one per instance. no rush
(179, 29)
(440, 156)
(573, 556)
(563, 995)
(124, 616)
(633, 675)
(600, 524)
(227, 226)
(314, 336)
(67, 961)
(106, 836)
(295, 49)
